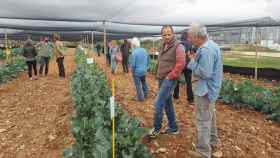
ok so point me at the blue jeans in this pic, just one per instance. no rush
(113, 63)
(141, 87)
(164, 101)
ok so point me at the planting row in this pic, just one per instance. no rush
(92, 125)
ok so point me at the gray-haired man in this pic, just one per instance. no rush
(207, 68)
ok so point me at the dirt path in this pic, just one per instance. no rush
(244, 133)
(35, 119)
(35, 115)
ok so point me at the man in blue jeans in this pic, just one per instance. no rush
(139, 62)
(171, 63)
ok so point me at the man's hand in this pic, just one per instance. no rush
(191, 55)
(167, 78)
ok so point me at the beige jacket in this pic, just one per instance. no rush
(58, 49)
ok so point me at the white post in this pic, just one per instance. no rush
(253, 37)
(6, 44)
(83, 41)
(86, 40)
(6, 39)
(256, 63)
(154, 48)
(92, 41)
(277, 33)
(104, 40)
(256, 55)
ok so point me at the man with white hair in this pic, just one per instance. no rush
(207, 68)
(139, 62)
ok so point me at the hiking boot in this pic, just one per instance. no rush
(170, 131)
(190, 102)
(216, 152)
(154, 133)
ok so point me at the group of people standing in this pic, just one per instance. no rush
(132, 57)
(116, 54)
(45, 51)
(203, 71)
(199, 59)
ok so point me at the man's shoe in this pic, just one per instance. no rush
(176, 96)
(195, 154)
(216, 152)
(154, 133)
(190, 102)
(170, 131)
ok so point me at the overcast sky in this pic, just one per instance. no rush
(142, 11)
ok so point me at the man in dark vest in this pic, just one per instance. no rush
(171, 63)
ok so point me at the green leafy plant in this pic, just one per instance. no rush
(92, 126)
(11, 69)
(17, 51)
(246, 94)
(153, 67)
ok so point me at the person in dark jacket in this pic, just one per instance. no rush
(98, 49)
(187, 72)
(30, 53)
(125, 53)
(108, 54)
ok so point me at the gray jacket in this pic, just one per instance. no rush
(29, 52)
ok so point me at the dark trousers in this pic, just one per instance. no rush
(108, 59)
(60, 66)
(98, 53)
(44, 63)
(125, 63)
(30, 65)
(188, 78)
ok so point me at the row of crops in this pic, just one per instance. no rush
(91, 124)
(11, 69)
(14, 52)
(247, 94)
